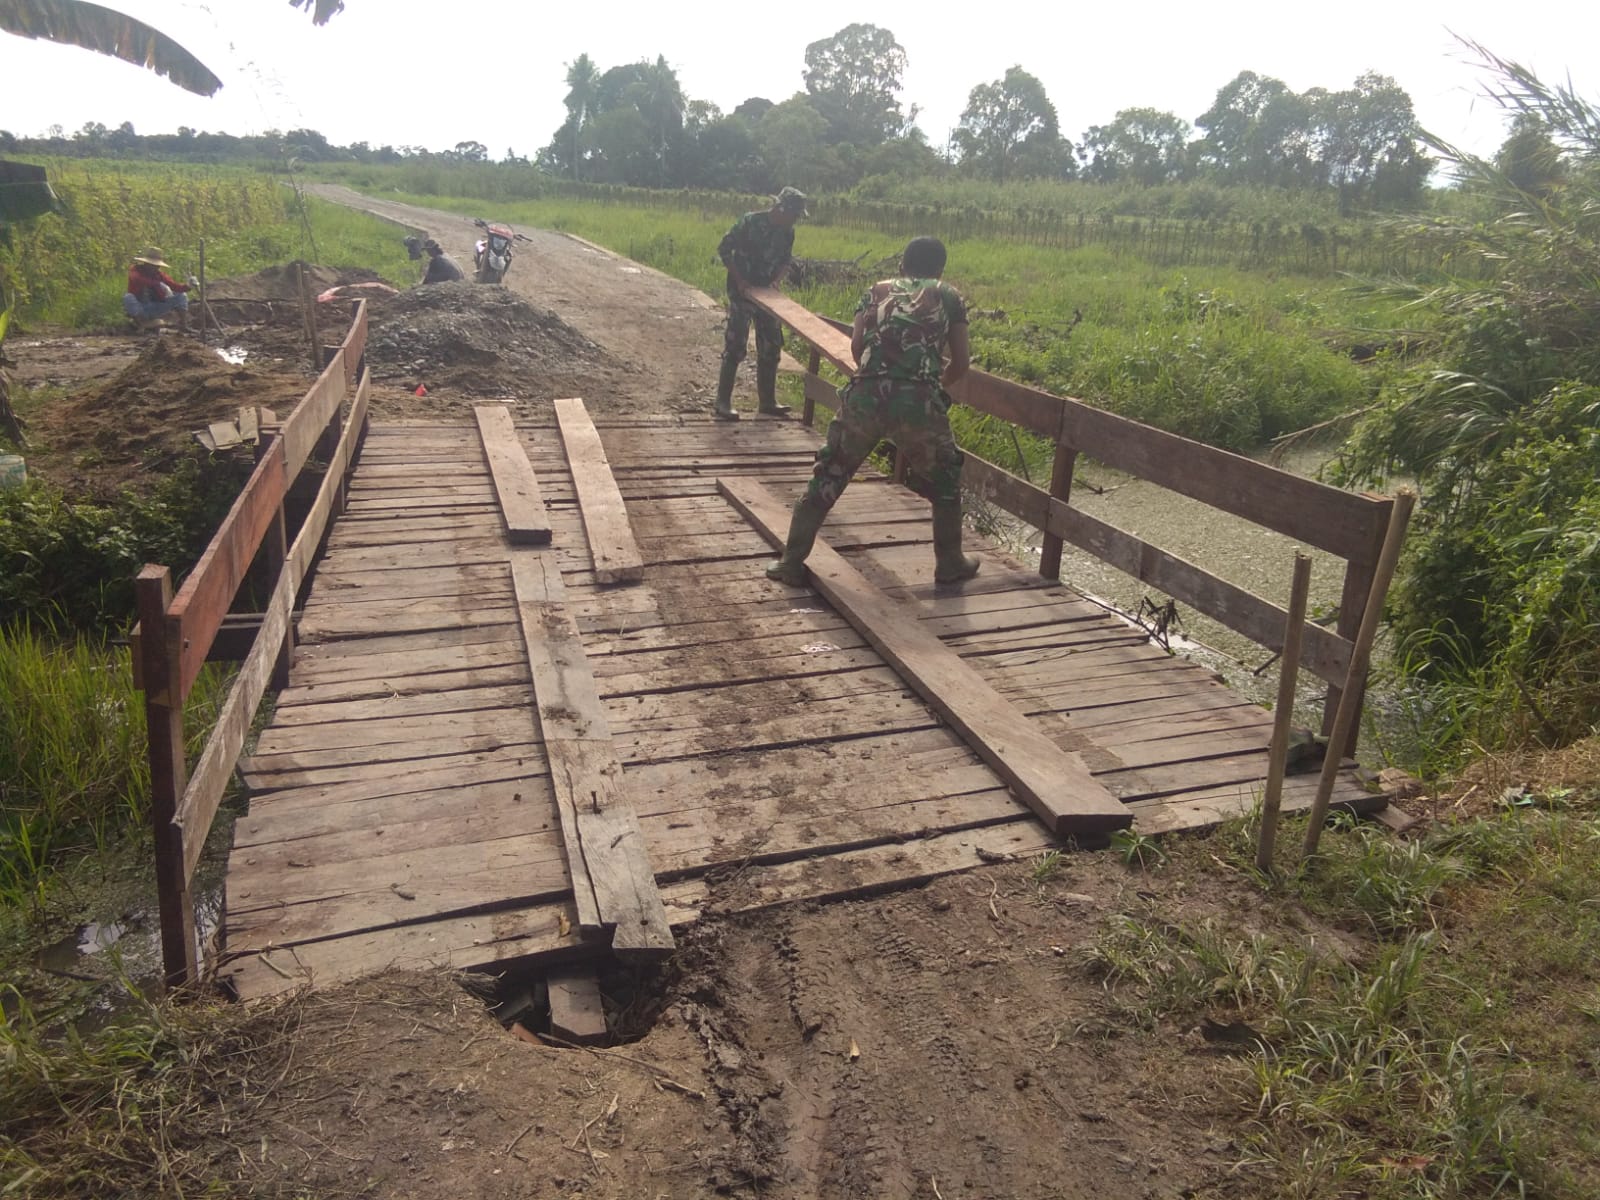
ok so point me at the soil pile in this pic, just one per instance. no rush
(486, 341)
(147, 412)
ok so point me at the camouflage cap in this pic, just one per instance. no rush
(791, 200)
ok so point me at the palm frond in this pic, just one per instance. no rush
(75, 23)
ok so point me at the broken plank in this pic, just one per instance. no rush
(521, 502)
(605, 515)
(1051, 781)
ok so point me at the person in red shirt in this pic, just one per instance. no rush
(153, 294)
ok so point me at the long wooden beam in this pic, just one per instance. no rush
(613, 884)
(605, 515)
(1049, 780)
(521, 501)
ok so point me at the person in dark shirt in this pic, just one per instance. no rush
(441, 267)
(153, 294)
(757, 252)
(903, 329)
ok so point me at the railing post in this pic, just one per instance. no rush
(1060, 489)
(277, 555)
(1358, 577)
(161, 646)
(808, 413)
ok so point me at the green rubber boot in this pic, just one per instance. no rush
(950, 565)
(722, 408)
(803, 526)
(767, 390)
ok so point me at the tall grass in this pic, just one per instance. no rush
(73, 772)
(1445, 1058)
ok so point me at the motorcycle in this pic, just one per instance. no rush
(491, 256)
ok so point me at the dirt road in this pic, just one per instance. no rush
(664, 336)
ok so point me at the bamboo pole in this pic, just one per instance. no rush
(1283, 715)
(1360, 656)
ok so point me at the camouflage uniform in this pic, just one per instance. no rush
(895, 392)
(760, 249)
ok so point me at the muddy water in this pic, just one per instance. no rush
(1238, 551)
(98, 956)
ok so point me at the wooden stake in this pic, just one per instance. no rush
(1283, 715)
(1360, 656)
(308, 314)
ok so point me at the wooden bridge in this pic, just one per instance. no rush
(540, 702)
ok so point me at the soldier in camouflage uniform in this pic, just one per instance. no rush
(757, 252)
(902, 328)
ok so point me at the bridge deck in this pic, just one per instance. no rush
(401, 807)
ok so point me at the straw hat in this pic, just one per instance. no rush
(151, 257)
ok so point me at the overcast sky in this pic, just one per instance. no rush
(404, 72)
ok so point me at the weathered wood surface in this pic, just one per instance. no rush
(1053, 783)
(403, 804)
(609, 862)
(605, 514)
(521, 502)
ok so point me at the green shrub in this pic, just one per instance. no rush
(72, 563)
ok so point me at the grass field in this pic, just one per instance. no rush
(1228, 357)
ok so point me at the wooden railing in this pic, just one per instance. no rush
(176, 634)
(1348, 525)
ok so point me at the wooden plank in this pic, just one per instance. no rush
(209, 782)
(614, 885)
(303, 427)
(1325, 654)
(225, 435)
(543, 933)
(605, 515)
(1051, 782)
(250, 424)
(200, 605)
(828, 341)
(576, 1012)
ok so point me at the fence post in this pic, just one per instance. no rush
(1060, 489)
(161, 647)
(808, 414)
(277, 546)
(1358, 576)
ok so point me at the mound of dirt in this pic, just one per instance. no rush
(486, 341)
(148, 410)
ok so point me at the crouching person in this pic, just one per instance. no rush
(903, 327)
(153, 294)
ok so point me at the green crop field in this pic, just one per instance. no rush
(1225, 355)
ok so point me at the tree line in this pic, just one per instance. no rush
(633, 124)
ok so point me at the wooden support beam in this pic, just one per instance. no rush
(576, 1012)
(613, 884)
(521, 502)
(161, 674)
(605, 516)
(1052, 782)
